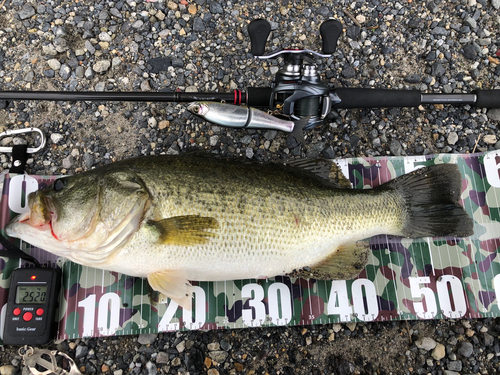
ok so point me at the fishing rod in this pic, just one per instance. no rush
(297, 98)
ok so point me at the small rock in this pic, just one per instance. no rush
(249, 153)
(213, 346)
(439, 31)
(160, 64)
(27, 11)
(163, 124)
(465, 349)
(438, 69)
(89, 73)
(207, 362)
(353, 32)
(49, 50)
(103, 15)
(137, 24)
(176, 361)
(215, 7)
(100, 86)
(348, 71)
(115, 62)
(192, 8)
(439, 352)
(7, 370)
(89, 47)
(452, 138)
(455, 365)
(145, 86)
(490, 139)
(147, 338)
(238, 367)
(219, 356)
(181, 346)
(470, 52)
(213, 371)
(60, 44)
(88, 160)
(494, 114)
(351, 326)
(151, 368)
(413, 78)
(81, 350)
(68, 162)
(55, 137)
(162, 357)
(425, 343)
(198, 25)
(488, 339)
(65, 72)
(360, 18)
(54, 64)
(160, 15)
(101, 66)
(471, 22)
(115, 12)
(105, 37)
(213, 140)
(396, 149)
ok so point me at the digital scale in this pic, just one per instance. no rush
(31, 306)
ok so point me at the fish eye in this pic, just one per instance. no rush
(196, 109)
(59, 184)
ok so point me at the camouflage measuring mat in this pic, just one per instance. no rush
(429, 278)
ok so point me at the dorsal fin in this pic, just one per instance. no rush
(325, 169)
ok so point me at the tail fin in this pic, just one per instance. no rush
(431, 196)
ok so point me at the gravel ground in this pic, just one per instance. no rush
(436, 46)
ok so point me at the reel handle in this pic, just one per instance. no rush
(330, 32)
(259, 31)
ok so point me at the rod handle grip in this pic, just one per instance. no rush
(487, 99)
(376, 98)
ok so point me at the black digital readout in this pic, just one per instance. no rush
(31, 294)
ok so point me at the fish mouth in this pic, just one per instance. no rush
(40, 214)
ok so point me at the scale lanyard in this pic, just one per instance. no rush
(12, 251)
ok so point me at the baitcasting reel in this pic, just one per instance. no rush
(297, 90)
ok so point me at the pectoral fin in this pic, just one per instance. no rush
(185, 230)
(174, 285)
(344, 264)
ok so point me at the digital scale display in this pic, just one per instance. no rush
(31, 294)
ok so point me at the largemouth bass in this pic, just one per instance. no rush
(175, 219)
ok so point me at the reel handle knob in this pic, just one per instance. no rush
(330, 31)
(258, 30)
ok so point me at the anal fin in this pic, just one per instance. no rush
(344, 264)
(173, 285)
